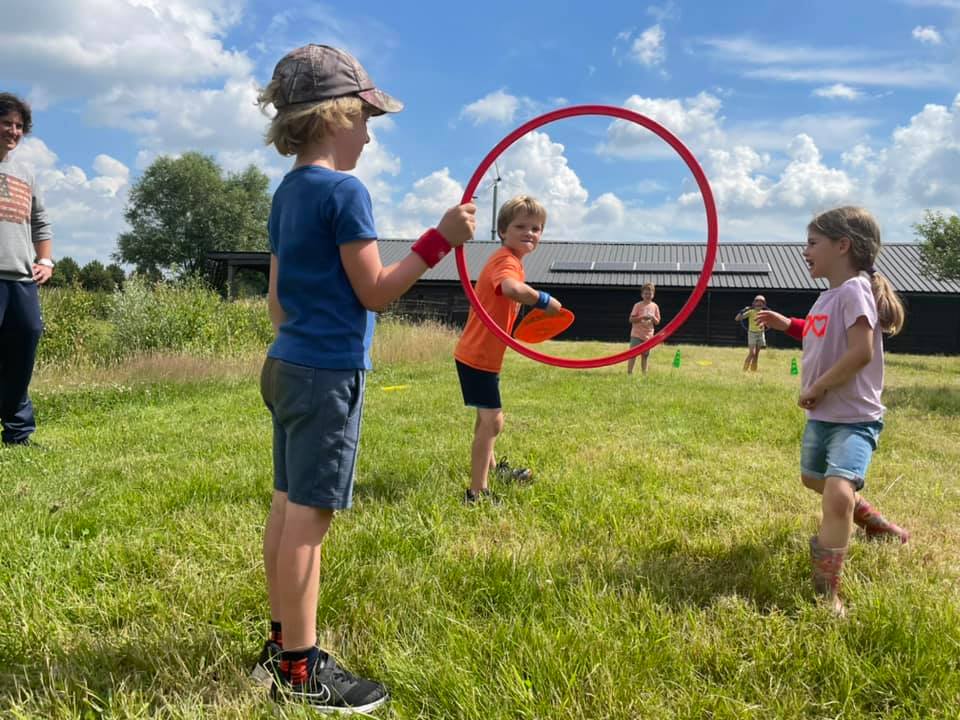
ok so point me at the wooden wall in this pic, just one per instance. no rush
(933, 321)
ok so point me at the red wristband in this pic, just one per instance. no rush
(795, 329)
(432, 247)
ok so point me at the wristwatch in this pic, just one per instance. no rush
(47, 262)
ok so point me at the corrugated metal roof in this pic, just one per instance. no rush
(899, 262)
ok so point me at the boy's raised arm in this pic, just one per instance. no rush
(377, 286)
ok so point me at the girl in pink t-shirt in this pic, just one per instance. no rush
(644, 318)
(841, 384)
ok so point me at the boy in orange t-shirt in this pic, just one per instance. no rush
(479, 354)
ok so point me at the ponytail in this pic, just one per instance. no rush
(890, 312)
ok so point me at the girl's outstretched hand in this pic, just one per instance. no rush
(774, 320)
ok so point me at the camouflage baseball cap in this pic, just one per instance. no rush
(320, 72)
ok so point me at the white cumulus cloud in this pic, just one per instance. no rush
(736, 179)
(607, 211)
(648, 48)
(694, 120)
(921, 166)
(807, 182)
(927, 34)
(498, 106)
(86, 47)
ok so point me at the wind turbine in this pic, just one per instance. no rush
(493, 219)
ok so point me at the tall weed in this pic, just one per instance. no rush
(189, 319)
(90, 328)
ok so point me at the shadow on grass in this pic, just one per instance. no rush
(100, 677)
(762, 571)
(385, 486)
(941, 400)
(766, 572)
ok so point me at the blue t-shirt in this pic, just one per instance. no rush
(314, 211)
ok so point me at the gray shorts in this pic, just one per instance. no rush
(316, 430)
(756, 339)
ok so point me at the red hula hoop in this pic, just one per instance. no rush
(708, 262)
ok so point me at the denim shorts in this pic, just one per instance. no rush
(316, 431)
(480, 388)
(634, 341)
(839, 449)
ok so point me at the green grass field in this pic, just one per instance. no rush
(658, 567)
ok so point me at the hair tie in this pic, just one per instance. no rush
(871, 271)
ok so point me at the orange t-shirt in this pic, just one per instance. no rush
(478, 347)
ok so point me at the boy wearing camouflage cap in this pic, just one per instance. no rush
(326, 282)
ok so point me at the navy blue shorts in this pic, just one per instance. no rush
(480, 388)
(316, 431)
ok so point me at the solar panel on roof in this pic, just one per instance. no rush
(656, 267)
(613, 266)
(757, 268)
(571, 266)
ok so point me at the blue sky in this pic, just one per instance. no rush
(790, 107)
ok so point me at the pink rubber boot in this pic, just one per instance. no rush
(827, 568)
(876, 525)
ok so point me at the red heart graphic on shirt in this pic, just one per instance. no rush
(816, 323)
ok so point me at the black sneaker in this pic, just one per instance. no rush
(331, 689)
(267, 668)
(471, 497)
(26, 442)
(512, 474)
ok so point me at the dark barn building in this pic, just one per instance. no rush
(600, 282)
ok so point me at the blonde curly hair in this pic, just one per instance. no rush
(296, 126)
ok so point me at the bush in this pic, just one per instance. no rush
(72, 325)
(99, 328)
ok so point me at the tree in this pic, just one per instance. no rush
(183, 208)
(65, 274)
(117, 275)
(940, 245)
(94, 277)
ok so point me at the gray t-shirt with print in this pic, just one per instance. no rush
(23, 221)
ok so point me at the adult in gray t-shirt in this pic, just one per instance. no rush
(26, 247)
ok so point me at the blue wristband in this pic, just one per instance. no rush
(543, 301)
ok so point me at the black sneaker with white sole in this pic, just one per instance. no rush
(507, 473)
(331, 689)
(472, 497)
(267, 667)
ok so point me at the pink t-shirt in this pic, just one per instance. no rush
(644, 330)
(825, 340)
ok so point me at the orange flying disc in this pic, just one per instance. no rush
(537, 326)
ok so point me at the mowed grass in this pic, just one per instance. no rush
(658, 567)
